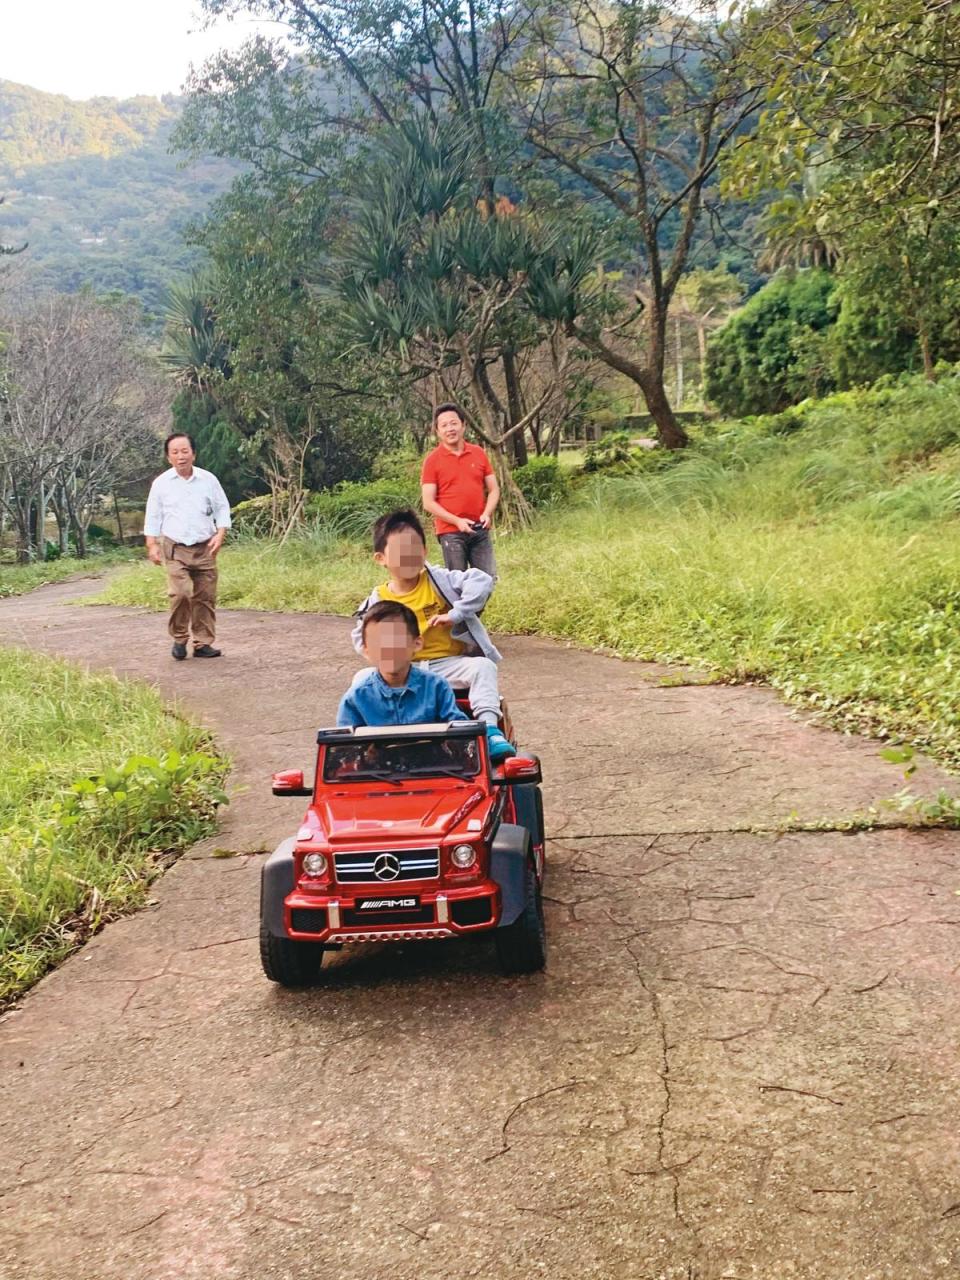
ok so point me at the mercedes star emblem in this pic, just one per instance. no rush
(387, 866)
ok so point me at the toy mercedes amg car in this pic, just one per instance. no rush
(411, 833)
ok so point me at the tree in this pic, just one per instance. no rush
(862, 126)
(633, 104)
(454, 292)
(636, 104)
(360, 68)
(220, 446)
(865, 90)
(255, 345)
(196, 354)
(77, 393)
(194, 350)
(281, 116)
(439, 57)
(871, 338)
(912, 270)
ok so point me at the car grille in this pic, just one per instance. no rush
(367, 919)
(414, 864)
(308, 920)
(467, 911)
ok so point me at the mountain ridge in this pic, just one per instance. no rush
(40, 127)
(92, 188)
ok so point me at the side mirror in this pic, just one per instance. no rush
(289, 782)
(520, 769)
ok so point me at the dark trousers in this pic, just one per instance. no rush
(474, 550)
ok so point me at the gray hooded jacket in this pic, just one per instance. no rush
(465, 591)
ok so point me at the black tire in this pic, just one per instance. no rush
(522, 946)
(289, 961)
(528, 803)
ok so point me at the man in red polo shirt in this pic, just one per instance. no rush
(461, 492)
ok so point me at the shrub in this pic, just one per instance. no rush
(252, 516)
(542, 481)
(400, 466)
(773, 352)
(350, 509)
(612, 453)
(163, 802)
(606, 419)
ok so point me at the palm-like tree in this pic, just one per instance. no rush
(194, 351)
(455, 286)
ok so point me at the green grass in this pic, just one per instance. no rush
(16, 579)
(818, 551)
(99, 781)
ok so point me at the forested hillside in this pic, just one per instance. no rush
(93, 190)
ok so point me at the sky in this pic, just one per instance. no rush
(114, 48)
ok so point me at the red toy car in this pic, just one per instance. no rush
(411, 833)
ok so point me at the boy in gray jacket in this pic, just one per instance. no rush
(446, 603)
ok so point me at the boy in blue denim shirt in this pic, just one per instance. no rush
(396, 691)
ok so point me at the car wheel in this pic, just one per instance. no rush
(522, 946)
(528, 804)
(289, 961)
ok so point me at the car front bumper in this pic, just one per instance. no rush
(439, 913)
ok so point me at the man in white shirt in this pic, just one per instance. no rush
(187, 519)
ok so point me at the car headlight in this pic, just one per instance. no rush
(314, 864)
(463, 856)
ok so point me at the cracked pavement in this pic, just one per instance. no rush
(740, 1062)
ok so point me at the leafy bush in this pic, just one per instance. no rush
(542, 481)
(612, 452)
(350, 509)
(774, 351)
(252, 516)
(167, 800)
(400, 466)
(606, 419)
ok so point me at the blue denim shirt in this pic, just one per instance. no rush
(425, 699)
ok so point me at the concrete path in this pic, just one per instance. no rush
(741, 1062)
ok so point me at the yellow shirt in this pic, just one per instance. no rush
(426, 602)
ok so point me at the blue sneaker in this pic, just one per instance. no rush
(499, 746)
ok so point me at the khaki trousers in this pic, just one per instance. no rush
(192, 590)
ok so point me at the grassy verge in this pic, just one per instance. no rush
(100, 784)
(819, 551)
(16, 579)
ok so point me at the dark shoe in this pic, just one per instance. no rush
(206, 651)
(179, 651)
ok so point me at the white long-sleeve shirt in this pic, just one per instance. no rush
(186, 511)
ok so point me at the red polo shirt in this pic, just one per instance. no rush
(459, 480)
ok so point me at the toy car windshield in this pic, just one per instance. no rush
(395, 760)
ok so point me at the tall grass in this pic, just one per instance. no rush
(819, 551)
(98, 779)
